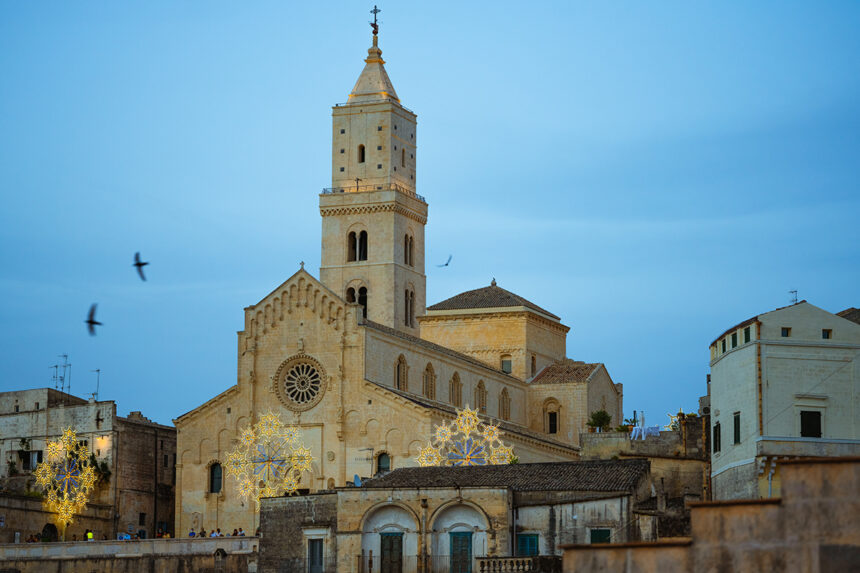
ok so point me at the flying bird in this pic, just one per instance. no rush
(139, 264)
(91, 320)
(447, 262)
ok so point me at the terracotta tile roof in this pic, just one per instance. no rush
(592, 476)
(492, 296)
(566, 370)
(433, 346)
(852, 314)
(506, 427)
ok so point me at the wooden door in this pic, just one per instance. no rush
(392, 553)
(461, 552)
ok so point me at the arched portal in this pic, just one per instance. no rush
(459, 535)
(388, 535)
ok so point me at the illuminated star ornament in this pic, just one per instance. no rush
(465, 442)
(269, 459)
(674, 420)
(67, 477)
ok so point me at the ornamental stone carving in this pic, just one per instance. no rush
(300, 382)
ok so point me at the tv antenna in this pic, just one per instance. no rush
(793, 294)
(98, 372)
(65, 379)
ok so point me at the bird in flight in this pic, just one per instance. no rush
(139, 264)
(447, 262)
(91, 320)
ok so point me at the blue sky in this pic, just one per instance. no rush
(652, 173)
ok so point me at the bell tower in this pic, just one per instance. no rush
(372, 218)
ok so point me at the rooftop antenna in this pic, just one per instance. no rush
(375, 24)
(55, 377)
(66, 378)
(793, 294)
(98, 372)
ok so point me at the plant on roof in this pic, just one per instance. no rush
(600, 419)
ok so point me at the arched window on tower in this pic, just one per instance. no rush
(362, 301)
(401, 373)
(505, 405)
(362, 246)
(215, 478)
(455, 391)
(551, 416)
(405, 249)
(481, 397)
(409, 307)
(350, 294)
(361, 154)
(351, 247)
(410, 250)
(383, 464)
(429, 382)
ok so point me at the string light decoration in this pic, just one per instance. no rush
(465, 442)
(269, 459)
(67, 476)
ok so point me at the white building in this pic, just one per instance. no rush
(784, 384)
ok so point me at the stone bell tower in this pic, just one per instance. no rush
(372, 218)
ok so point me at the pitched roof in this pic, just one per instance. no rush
(373, 84)
(852, 314)
(752, 320)
(433, 346)
(492, 296)
(505, 426)
(596, 475)
(566, 370)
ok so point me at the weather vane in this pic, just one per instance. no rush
(375, 24)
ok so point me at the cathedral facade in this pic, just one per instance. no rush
(357, 360)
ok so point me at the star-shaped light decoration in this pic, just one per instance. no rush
(66, 476)
(269, 459)
(465, 442)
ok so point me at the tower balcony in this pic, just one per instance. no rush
(373, 187)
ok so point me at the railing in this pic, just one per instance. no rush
(377, 187)
(444, 564)
(534, 564)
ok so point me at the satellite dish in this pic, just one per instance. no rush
(356, 481)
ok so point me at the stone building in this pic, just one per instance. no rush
(442, 519)
(136, 494)
(783, 384)
(814, 526)
(357, 361)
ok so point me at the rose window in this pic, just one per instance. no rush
(302, 383)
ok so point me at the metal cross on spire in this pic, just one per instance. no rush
(375, 24)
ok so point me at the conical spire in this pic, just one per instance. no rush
(373, 84)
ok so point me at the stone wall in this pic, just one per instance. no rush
(284, 521)
(27, 515)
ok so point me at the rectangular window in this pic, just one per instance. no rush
(552, 422)
(747, 334)
(527, 544)
(506, 365)
(810, 424)
(737, 429)
(717, 437)
(37, 404)
(601, 535)
(734, 340)
(724, 344)
(141, 519)
(166, 460)
(826, 334)
(343, 131)
(315, 555)
(16, 407)
(786, 332)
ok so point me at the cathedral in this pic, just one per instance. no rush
(358, 360)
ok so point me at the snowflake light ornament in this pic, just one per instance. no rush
(269, 459)
(465, 442)
(67, 477)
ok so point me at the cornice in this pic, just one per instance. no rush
(366, 209)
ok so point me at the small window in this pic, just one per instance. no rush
(166, 460)
(16, 407)
(379, 148)
(810, 424)
(395, 168)
(506, 364)
(734, 340)
(527, 544)
(534, 365)
(383, 464)
(379, 165)
(724, 344)
(361, 154)
(402, 158)
(600, 535)
(342, 150)
(746, 334)
(395, 148)
(481, 397)
(228, 410)
(717, 437)
(505, 405)
(786, 332)
(826, 334)
(37, 405)
(552, 423)
(343, 131)
(141, 519)
(378, 128)
(352, 247)
(362, 301)
(350, 294)
(341, 169)
(362, 246)
(162, 444)
(215, 478)
(395, 126)
(737, 428)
